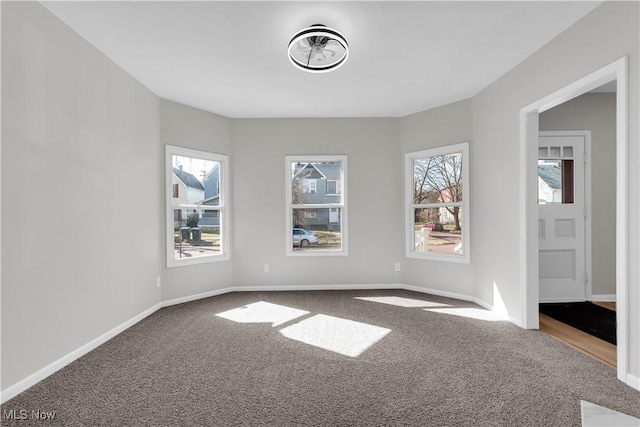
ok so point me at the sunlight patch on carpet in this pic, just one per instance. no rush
(263, 312)
(403, 302)
(469, 312)
(342, 336)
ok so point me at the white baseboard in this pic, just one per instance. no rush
(53, 367)
(562, 299)
(633, 381)
(196, 297)
(597, 297)
(604, 297)
(438, 292)
(344, 287)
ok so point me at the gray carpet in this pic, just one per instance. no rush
(185, 366)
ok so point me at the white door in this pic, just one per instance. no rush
(561, 221)
(334, 215)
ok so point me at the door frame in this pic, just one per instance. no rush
(528, 146)
(586, 134)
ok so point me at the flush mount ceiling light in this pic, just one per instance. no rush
(318, 49)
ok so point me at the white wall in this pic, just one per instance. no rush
(595, 112)
(446, 125)
(77, 135)
(374, 200)
(603, 36)
(188, 127)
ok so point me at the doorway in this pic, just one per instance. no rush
(563, 170)
(529, 235)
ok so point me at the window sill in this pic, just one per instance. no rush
(459, 259)
(317, 253)
(171, 263)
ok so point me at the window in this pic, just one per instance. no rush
(197, 211)
(437, 203)
(309, 186)
(316, 224)
(333, 187)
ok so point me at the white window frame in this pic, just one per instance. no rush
(222, 208)
(465, 257)
(342, 204)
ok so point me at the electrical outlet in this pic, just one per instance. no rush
(158, 282)
(266, 268)
(397, 266)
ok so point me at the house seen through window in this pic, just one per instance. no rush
(196, 206)
(316, 206)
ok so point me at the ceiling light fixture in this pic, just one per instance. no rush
(318, 49)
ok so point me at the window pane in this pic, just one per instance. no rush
(311, 182)
(567, 152)
(438, 230)
(321, 230)
(543, 152)
(437, 179)
(195, 181)
(555, 182)
(195, 234)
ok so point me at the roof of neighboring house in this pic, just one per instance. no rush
(212, 201)
(309, 171)
(188, 179)
(552, 175)
(326, 170)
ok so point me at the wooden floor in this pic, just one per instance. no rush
(605, 304)
(600, 350)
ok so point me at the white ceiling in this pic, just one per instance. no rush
(230, 58)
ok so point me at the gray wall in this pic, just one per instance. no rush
(374, 200)
(600, 38)
(446, 125)
(596, 112)
(188, 127)
(83, 156)
(81, 161)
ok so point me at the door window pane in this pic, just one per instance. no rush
(555, 181)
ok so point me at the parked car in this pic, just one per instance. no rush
(435, 226)
(303, 238)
